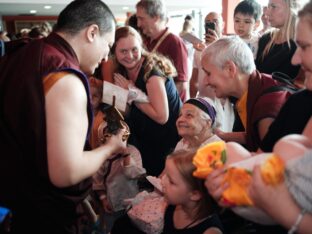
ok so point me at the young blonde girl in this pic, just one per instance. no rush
(277, 47)
(191, 209)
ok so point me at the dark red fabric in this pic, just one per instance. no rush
(261, 106)
(173, 48)
(25, 185)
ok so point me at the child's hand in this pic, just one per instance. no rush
(106, 205)
(118, 141)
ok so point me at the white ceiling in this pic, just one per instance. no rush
(23, 7)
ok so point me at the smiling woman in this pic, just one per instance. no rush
(151, 118)
(196, 124)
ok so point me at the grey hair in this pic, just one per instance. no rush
(231, 48)
(205, 116)
(153, 8)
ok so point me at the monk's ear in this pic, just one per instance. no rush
(92, 32)
(231, 68)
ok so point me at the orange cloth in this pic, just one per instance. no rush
(51, 79)
(107, 70)
(241, 107)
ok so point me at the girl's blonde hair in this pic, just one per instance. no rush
(287, 32)
(183, 160)
(153, 60)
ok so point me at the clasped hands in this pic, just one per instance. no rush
(135, 94)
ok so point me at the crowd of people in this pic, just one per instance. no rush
(63, 148)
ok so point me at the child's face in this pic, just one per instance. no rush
(244, 25)
(175, 189)
(96, 96)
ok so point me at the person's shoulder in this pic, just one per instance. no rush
(173, 38)
(133, 151)
(68, 81)
(255, 37)
(265, 37)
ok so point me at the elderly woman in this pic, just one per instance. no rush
(195, 124)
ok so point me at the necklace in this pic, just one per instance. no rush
(191, 223)
(194, 221)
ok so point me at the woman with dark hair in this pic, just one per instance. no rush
(151, 119)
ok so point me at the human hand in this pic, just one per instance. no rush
(267, 197)
(211, 36)
(106, 206)
(199, 46)
(215, 185)
(136, 95)
(121, 81)
(118, 142)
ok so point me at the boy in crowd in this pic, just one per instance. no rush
(246, 20)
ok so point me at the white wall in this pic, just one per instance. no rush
(177, 17)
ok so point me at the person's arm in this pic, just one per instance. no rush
(308, 129)
(263, 126)
(132, 163)
(213, 230)
(177, 53)
(239, 137)
(292, 146)
(67, 124)
(194, 83)
(277, 202)
(182, 89)
(157, 108)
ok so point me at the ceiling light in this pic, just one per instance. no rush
(47, 7)
(33, 11)
(125, 8)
